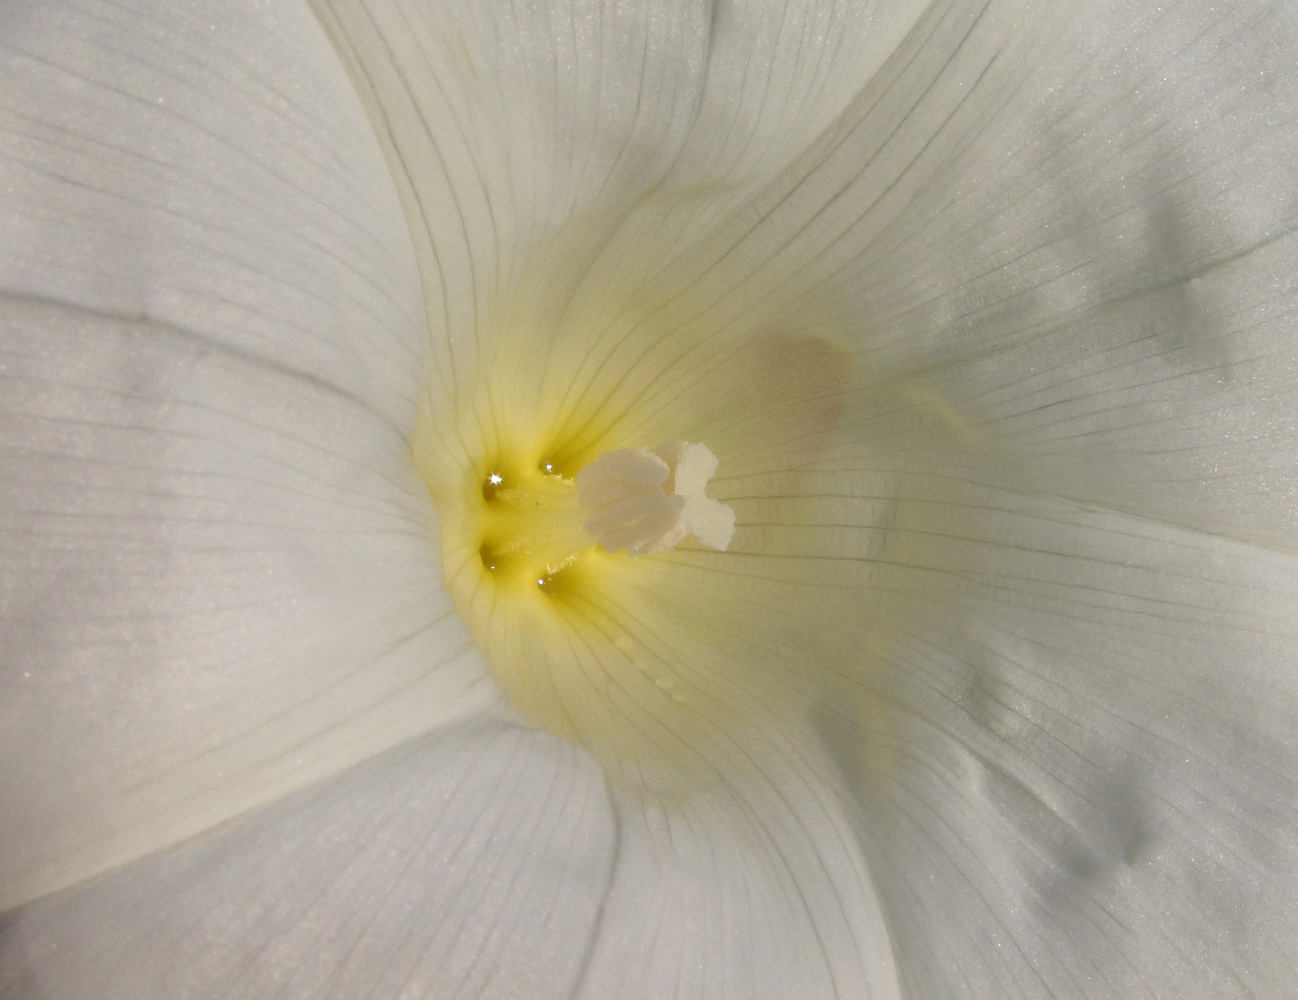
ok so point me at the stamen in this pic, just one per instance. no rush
(646, 501)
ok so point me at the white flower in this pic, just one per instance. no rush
(987, 311)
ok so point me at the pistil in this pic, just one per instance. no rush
(647, 501)
(532, 525)
(634, 499)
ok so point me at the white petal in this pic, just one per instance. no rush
(1059, 249)
(1052, 244)
(1064, 736)
(1087, 785)
(1066, 238)
(751, 886)
(207, 165)
(517, 128)
(220, 579)
(220, 583)
(469, 865)
(910, 234)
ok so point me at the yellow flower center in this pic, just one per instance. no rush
(582, 547)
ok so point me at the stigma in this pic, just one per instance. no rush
(641, 501)
(647, 501)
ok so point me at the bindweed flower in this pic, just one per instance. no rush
(648, 498)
